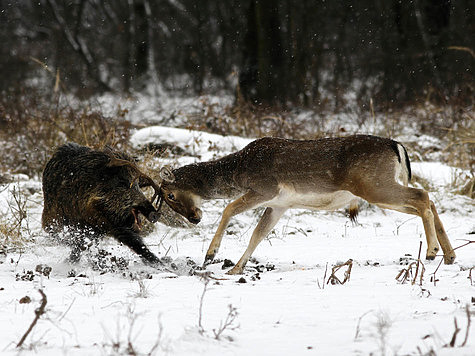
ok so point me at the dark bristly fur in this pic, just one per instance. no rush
(90, 197)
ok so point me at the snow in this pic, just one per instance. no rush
(287, 310)
(436, 173)
(196, 143)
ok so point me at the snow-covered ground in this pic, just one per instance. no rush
(283, 308)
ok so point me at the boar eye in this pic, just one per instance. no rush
(171, 196)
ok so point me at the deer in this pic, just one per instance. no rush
(323, 174)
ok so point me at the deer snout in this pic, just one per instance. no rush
(195, 216)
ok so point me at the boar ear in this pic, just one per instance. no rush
(167, 175)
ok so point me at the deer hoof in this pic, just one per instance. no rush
(449, 259)
(432, 253)
(209, 258)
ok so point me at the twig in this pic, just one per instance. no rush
(462, 48)
(205, 280)
(465, 244)
(208, 274)
(467, 311)
(357, 332)
(405, 273)
(454, 336)
(419, 263)
(333, 279)
(228, 322)
(434, 278)
(324, 278)
(398, 226)
(456, 248)
(67, 310)
(40, 311)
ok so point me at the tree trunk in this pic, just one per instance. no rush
(262, 76)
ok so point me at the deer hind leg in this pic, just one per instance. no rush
(411, 201)
(265, 225)
(449, 254)
(247, 201)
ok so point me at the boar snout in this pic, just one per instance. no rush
(153, 216)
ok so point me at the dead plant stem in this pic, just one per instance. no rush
(38, 312)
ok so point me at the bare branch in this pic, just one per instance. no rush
(333, 279)
(454, 336)
(467, 311)
(78, 45)
(357, 332)
(419, 262)
(205, 280)
(464, 49)
(228, 322)
(38, 312)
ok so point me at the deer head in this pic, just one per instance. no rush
(182, 200)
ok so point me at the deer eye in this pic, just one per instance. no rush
(171, 196)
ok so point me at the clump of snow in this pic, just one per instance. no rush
(195, 143)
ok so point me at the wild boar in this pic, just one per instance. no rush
(91, 193)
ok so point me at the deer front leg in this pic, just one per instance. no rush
(247, 201)
(265, 225)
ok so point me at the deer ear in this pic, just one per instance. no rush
(167, 175)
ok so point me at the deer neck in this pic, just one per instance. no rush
(212, 179)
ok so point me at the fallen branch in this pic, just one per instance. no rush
(40, 311)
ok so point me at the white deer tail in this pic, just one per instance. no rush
(403, 174)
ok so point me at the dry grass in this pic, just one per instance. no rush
(33, 127)
(14, 227)
(247, 120)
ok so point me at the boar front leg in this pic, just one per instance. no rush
(131, 239)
